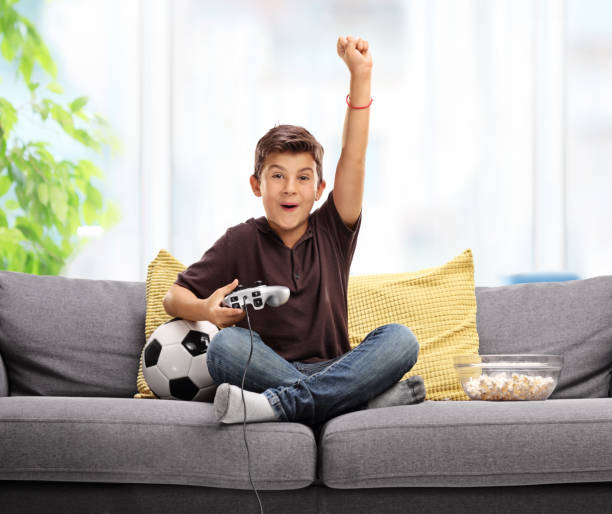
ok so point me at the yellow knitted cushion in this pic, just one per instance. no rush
(437, 304)
(161, 274)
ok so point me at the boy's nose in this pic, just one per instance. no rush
(290, 185)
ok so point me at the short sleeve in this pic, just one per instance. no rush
(208, 274)
(328, 219)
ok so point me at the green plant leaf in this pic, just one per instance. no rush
(43, 193)
(10, 236)
(27, 60)
(94, 197)
(44, 58)
(10, 44)
(59, 202)
(8, 117)
(5, 184)
(89, 169)
(11, 205)
(13, 39)
(50, 247)
(16, 166)
(29, 229)
(79, 103)
(111, 216)
(83, 137)
(54, 87)
(101, 120)
(82, 115)
(63, 117)
(89, 213)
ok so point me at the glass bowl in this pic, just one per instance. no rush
(508, 376)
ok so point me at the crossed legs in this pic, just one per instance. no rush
(342, 385)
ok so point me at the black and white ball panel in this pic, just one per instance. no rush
(174, 361)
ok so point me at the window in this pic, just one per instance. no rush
(490, 127)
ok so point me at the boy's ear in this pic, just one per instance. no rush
(320, 189)
(255, 186)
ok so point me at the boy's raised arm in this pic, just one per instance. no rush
(350, 172)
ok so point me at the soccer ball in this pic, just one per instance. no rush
(174, 361)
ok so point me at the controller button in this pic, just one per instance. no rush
(235, 306)
(234, 299)
(258, 302)
(256, 293)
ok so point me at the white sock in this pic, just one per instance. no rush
(229, 407)
(406, 392)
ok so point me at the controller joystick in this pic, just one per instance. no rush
(258, 297)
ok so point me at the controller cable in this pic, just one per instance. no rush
(244, 298)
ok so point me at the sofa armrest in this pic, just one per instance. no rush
(3, 379)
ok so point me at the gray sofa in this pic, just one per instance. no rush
(72, 438)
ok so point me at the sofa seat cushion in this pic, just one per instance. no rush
(471, 443)
(148, 441)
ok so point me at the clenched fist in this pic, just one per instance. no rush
(355, 53)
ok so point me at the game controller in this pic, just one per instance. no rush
(257, 296)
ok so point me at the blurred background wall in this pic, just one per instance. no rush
(491, 126)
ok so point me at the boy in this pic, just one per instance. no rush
(302, 368)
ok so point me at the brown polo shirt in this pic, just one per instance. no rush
(313, 325)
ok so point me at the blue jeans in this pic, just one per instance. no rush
(313, 393)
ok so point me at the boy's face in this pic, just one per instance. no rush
(288, 188)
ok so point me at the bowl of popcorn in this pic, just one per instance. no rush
(508, 376)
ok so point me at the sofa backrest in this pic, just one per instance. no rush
(75, 337)
(572, 318)
(3, 379)
(70, 337)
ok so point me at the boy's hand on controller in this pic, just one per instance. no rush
(219, 314)
(355, 52)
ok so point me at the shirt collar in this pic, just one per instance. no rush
(264, 227)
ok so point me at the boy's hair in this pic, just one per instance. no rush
(288, 138)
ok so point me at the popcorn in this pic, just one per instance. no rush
(500, 386)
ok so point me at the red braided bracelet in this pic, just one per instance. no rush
(353, 107)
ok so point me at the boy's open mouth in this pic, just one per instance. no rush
(289, 206)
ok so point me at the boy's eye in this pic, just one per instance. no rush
(277, 175)
(305, 177)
